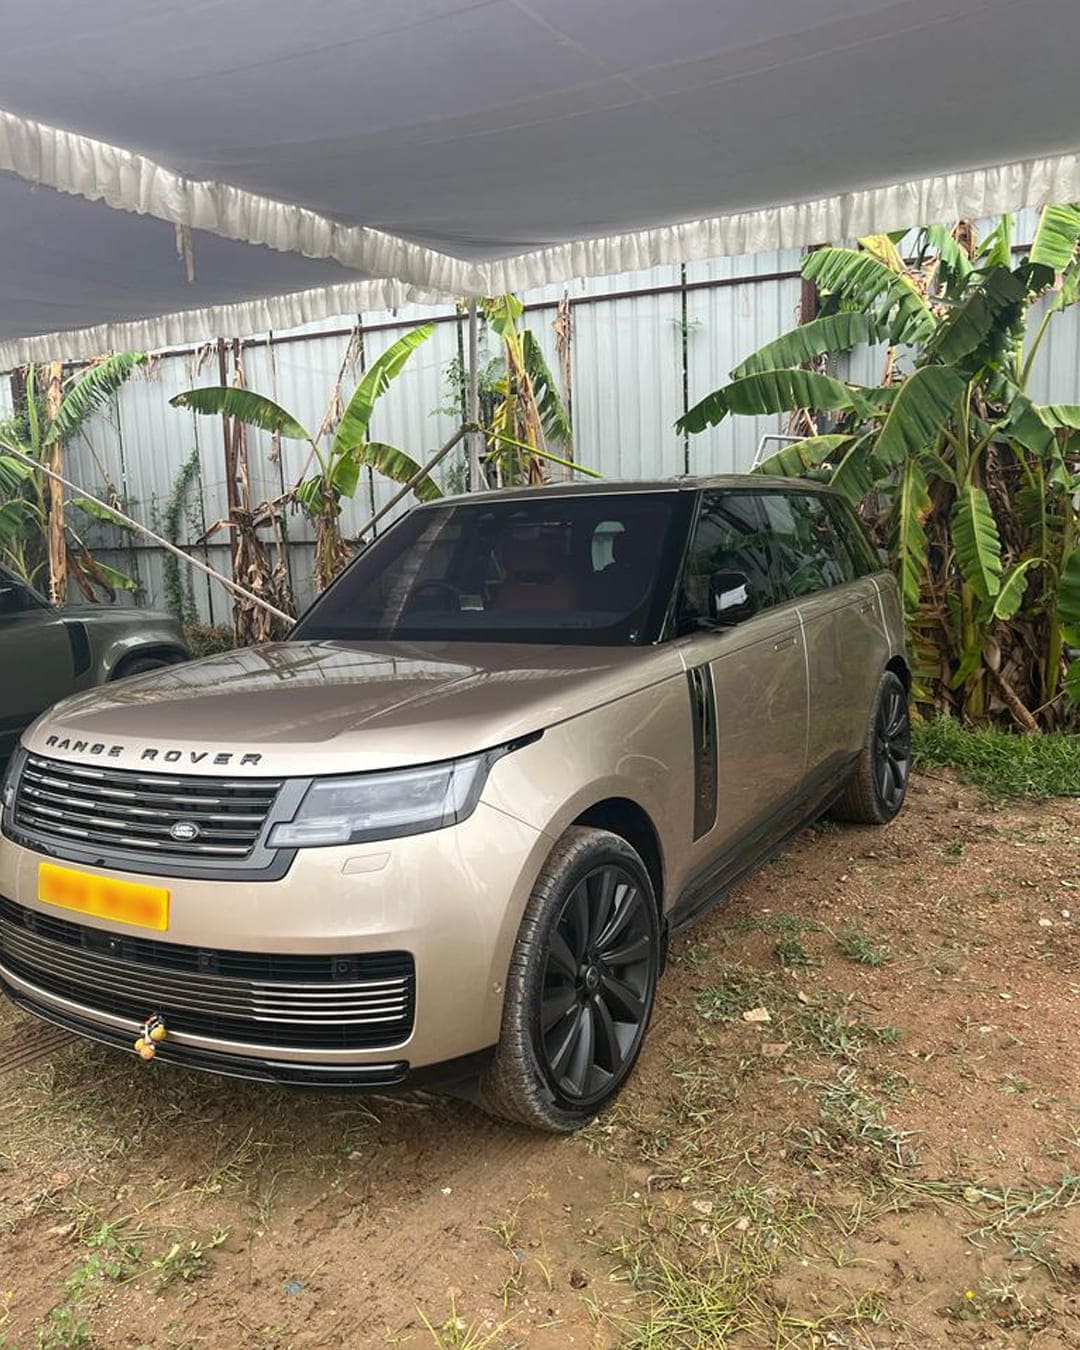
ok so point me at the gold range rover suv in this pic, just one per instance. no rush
(445, 832)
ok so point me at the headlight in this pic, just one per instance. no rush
(386, 805)
(7, 782)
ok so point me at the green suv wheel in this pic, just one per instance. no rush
(581, 985)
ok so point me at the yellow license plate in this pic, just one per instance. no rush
(104, 897)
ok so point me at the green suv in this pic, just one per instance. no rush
(48, 652)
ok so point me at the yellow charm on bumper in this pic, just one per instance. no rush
(152, 1033)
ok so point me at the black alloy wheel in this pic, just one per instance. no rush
(597, 987)
(892, 747)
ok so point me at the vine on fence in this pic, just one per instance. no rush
(179, 581)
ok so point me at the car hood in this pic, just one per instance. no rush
(124, 615)
(324, 707)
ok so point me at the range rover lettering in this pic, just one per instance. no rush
(445, 833)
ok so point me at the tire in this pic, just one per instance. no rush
(876, 790)
(574, 1016)
(140, 665)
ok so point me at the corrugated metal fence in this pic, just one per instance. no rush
(643, 347)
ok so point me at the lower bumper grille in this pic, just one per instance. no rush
(342, 1002)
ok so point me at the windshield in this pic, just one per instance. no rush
(575, 569)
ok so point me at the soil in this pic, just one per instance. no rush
(892, 1159)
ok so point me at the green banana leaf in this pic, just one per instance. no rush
(353, 427)
(1068, 598)
(256, 410)
(1056, 237)
(863, 282)
(89, 392)
(553, 415)
(857, 472)
(399, 467)
(968, 326)
(977, 542)
(832, 333)
(771, 391)
(1013, 589)
(799, 457)
(909, 533)
(918, 414)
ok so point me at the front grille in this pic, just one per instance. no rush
(345, 1002)
(81, 804)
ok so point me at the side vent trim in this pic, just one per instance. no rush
(703, 717)
(80, 646)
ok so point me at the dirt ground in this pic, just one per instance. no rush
(891, 1159)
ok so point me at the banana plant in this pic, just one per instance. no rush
(337, 468)
(969, 482)
(529, 416)
(37, 537)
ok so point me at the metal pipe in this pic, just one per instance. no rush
(422, 472)
(143, 529)
(472, 410)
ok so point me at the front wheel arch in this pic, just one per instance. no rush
(156, 658)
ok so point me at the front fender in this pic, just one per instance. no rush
(112, 639)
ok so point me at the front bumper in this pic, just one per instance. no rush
(452, 899)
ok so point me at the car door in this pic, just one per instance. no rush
(36, 664)
(747, 688)
(846, 642)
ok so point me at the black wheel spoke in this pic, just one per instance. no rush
(621, 999)
(883, 775)
(581, 1057)
(578, 915)
(608, 1050)
(627, 907)
(555, 1007)
(634, 949)
(566, 1045)
(561, 957)
(604, 889)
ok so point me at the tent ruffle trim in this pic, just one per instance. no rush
(196, 326)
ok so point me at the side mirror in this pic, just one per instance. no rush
(11, 598)
(731, 598)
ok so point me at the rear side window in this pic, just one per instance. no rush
(808, 552)
(730, 536)
(852, 531)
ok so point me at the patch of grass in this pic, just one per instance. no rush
(1003, 764)
(708, 1283)
(858, 946)
(849, 1117)
(457, 1334)
(789, 951)
(66, 1329)
(185, 1261)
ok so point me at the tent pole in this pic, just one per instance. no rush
(142, 529)
(472, 409)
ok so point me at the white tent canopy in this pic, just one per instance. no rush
(338, 155)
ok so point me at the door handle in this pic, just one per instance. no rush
(866, 607)
(783, 643)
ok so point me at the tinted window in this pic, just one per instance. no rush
(853, 535)
(730, 537)
(16, 597)
(806, 548)
(592, 569)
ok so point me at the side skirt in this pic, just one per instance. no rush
(763, 842)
